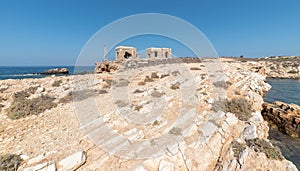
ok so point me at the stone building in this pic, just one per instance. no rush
(125, 52)
(158, 53)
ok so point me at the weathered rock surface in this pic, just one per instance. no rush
(106, 67)
(56, 71)
(286, 117)
(73, 161)
(219, 139)
(279, 67)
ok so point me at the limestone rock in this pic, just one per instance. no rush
(56, 71)
(72, 162)
(284, 116)
(166, 166)
(47, 166)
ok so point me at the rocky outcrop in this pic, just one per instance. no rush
(286, 117)
(210, 134)
(56, 71)
(276, 67)
(102, 67)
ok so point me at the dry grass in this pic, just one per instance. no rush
(154, 75)
(175, 86)
(238, 106)
(22, 106)
(261, 145)
(67, 98)
(195, 68)
(10, 162)
(56, 83)
(148, 79)
(141, 83)
(238, 148)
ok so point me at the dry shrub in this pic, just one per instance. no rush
(175, 86)
(148, 79)
(195, 68)
(238, 148)
(22, 106)
(238, 106)
(164, 75)
(10, 162)
(138, 107)
(67, 98)
(101, 92)
(25, 93)
(154, 75)
(261, 145)
(56, 83)
(141, 83)
(222, 84)
(157, 94)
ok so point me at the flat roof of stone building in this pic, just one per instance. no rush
(125, 47)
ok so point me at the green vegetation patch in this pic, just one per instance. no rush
(10, 162)
(261, 145)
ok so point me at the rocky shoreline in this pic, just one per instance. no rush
(286, 117)
(228, 135)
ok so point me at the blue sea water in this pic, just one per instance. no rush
(15, 72)
(285, 90)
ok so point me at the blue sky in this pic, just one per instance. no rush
(53, 32)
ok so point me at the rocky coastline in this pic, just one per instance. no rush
(230, 137)
(285, 117)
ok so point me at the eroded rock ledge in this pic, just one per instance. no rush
(224, 135)
(285, 117)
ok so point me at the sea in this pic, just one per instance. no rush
(20, 72)
(285, 90)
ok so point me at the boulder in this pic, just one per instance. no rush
(56, 71)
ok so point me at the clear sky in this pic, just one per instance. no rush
(53, 32)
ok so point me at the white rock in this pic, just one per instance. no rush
(47, 166)
(40, 90)
(37, 159)
(231, 119)
(165, 166)
(72, 162)
(208, 129)
(24, 157)
(250, 132)
(50, 167)
(140, 168)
